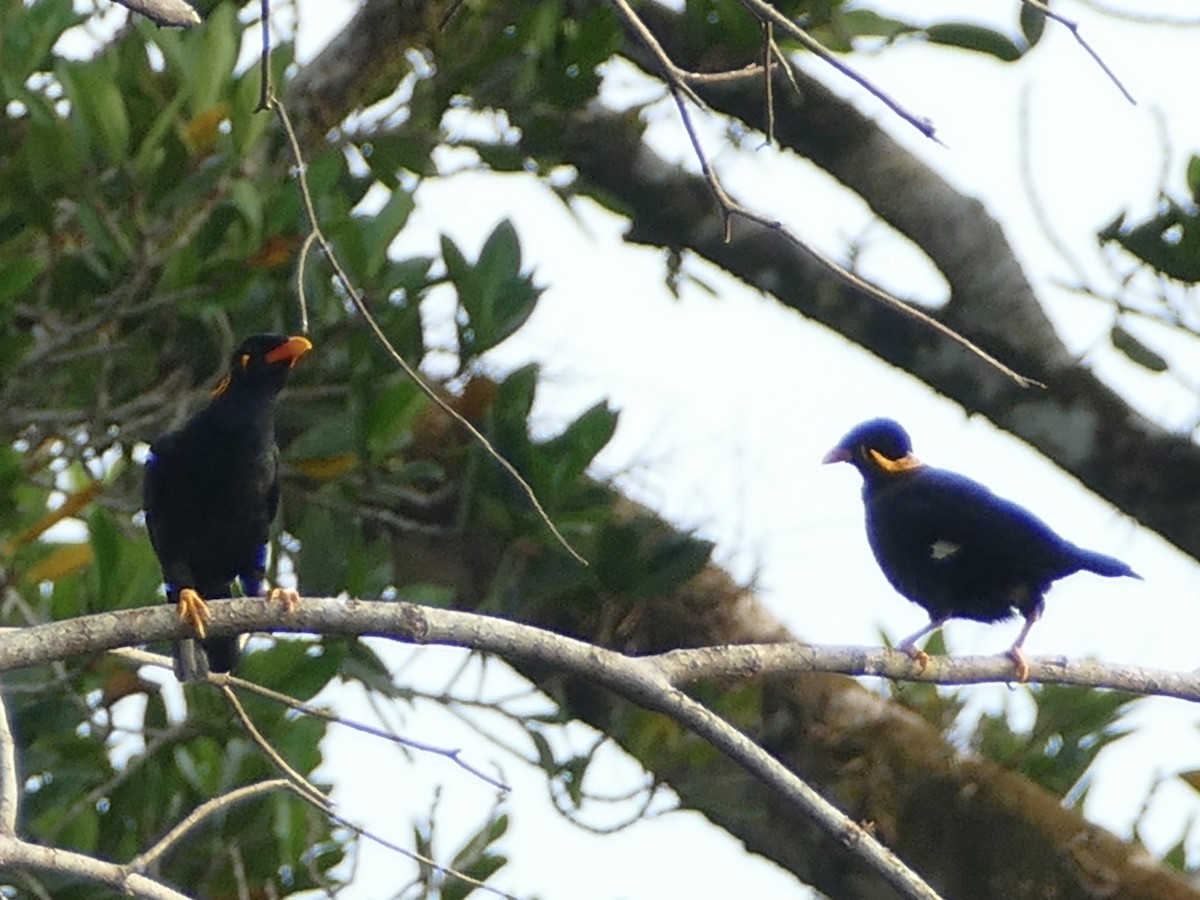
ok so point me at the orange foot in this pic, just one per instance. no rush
(288, 597)
(193, 610)
(920, 657)
(1018, 659)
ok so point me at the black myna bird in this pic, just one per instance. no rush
(211, 490)
(953, 547)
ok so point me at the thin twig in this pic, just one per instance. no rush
(418, 857)
(731, 208)
(677, 84)
(197, 816)
(455, 755)
(144, 658)
(264, 94)
(359, 302)
(765, 12)
(303, 786)
(1073, 27)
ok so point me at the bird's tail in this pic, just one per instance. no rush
(1101, 564)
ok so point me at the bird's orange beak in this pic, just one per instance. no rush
(290, 350)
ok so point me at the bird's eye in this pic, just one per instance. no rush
(245, 360)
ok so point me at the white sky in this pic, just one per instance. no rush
(728, 403)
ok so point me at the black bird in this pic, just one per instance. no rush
(211, 490)
(953, 547)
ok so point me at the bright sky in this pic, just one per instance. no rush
(729, 402)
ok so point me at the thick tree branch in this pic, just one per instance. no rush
(636, 680)
(16, 854)
(637, 677)
(650, 681)
(10, 786)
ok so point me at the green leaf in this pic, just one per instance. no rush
(382, 228)
(618, 564)
(493, 295)
(389, 154)
(500, 157)
(977, 38)
(362, 664)
(868, 23)
(572, 451)
(1169, 242)
(510, 413)
(18, 274)
(1033, 23)
(30, 32)
(673, 562)
(212, 50)
(390, 413)
(100, 116)
(302, 668)
(1137, 351)
(1193, 177)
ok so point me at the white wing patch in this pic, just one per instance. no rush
(942, 549)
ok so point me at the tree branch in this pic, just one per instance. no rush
(10, 787)
(209, 808)
(652, 681)
(16, 853)
(515, 641)
(636, 680)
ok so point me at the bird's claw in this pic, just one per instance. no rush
(1018, 659)
(289, 598)
(917, 655)
(193, 610)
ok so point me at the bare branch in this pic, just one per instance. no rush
(632, 678)
(143, 658)
(165, 12)
(651, 681)
(16, 854)
(300, 784)
(1073, 27)
(782, 661)
(360, 304)
(765, 12)
(10, 787)
(197, 816)
(680, 88)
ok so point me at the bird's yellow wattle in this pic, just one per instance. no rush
(906, 463)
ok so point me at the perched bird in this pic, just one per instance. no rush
(953, 547)
(211, 490)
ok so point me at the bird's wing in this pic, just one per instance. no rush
(155, 488)
(934, 505)
(158, 499)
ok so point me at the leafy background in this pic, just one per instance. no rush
(147, 220)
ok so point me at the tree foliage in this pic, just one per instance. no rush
(150, 217)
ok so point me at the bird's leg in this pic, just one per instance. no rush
(1014, 652)
(908, 645)
(193, 610)
(289, 598)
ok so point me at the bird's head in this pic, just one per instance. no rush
(263, 361)
(877, 448)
